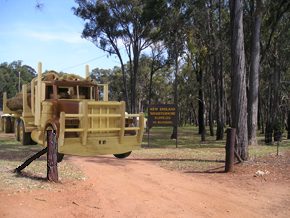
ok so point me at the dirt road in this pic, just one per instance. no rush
(137, 188)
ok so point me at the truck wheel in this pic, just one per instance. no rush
(59, 155)
(124, 155)
(12, 124)
(7, 124)
(24, 137)
(2, 123)
(16, 129)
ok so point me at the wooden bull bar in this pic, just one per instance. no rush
(85, 115)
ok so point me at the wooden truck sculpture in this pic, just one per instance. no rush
(70, 105)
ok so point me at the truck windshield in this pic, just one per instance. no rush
(73, 92)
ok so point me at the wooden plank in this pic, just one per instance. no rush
(99, 103)
(38, 96)
(132, 115)
(74, 115)
(87, 72)
(91, 118)
(132, 128)
(6, 110)
(99, 129)
(104, 129)
(85, 121)
(74, 130)
(141, 126)
(62, 128)
(108, 120)
(78, 92)
(104, 115)
(106, 92)
(26, 110)
(100, 120)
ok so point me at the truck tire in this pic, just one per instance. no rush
(124, 155)
(7, 124)
(2, 123)
(16, 129)
(59, 155)
(24, 137)
(12, 124)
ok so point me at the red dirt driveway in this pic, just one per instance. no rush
(137, 188)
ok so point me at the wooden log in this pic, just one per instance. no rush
(16, 103)
(52, 172)
(230, 148)
(28, 161)
(238, 156)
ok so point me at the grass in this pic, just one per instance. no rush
(193, 154)
(13, 154)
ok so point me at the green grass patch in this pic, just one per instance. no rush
(193, 154)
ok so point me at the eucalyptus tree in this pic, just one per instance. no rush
(110, 22)
(172, 18)
(112, 78)
(253, 93)
(158, 60)
(216, 11)
(103, 29)
(238, 77)
(275, 26)
(9, 78)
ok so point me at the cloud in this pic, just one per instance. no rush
(68, 37)
(83, 51)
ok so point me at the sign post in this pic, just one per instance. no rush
(162, 115)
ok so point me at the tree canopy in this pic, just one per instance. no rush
(182, 52)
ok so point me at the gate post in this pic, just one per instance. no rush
(52, 173)
(230, 150)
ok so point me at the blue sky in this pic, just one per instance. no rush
(51, 35)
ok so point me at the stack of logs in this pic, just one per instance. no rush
(16, 103)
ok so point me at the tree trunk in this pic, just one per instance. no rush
(254, 75)
(269, 132)
(218, 79)
(211, 102)
(288, 125)
(125, 86)
(134, 100)
(269, 128)
(202, 101)
(174, 133)
(201, 105)
(273, 100)
(238, 79)
(124, 79)
(136, 53)
(259, 115)
(131, 77)
(150, 83)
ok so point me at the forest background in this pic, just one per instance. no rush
(182, 52)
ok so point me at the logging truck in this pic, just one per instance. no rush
(70, 105)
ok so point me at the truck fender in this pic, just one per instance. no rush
(54, 122)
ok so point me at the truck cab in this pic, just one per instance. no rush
(84, 125)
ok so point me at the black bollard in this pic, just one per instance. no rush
(230, 150)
